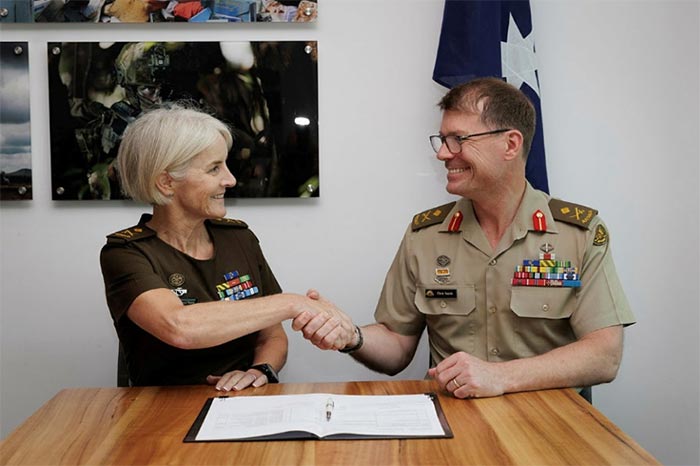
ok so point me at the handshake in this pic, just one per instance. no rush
(325, 325)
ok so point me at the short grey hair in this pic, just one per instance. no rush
(164, 140)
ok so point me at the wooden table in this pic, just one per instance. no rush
(146, 425)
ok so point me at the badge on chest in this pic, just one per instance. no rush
(177, 280)
(440, 293)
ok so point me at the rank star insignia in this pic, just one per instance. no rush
(431, 217)
(546, 248)
(568, 212)
(128, 233)
(176, 279)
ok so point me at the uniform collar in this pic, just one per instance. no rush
(533, 200)
(145, 218)
(464, 206)
(470, 228)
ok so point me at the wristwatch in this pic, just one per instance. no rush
(360, 342)
(269, 372)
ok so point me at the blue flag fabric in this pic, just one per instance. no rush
(493, 38)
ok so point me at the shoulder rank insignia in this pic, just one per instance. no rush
(572, 213)
(130, 234)
(229, 222)
(601, 235)
(431, 216)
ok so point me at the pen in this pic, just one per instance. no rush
(329, 409)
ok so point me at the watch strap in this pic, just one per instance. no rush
(269, 372)
(360, 342)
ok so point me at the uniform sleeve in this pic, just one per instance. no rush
(270, 285)
(127, 273)
(396, 308)
(601, 301)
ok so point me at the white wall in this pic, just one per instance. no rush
(620, 101)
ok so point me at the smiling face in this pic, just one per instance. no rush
(200, 193)
(480, 165)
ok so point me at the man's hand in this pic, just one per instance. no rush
(466, 376)
(330, 329)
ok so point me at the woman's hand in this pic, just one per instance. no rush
(238, 380)
(329, 329)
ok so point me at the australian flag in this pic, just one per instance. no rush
(493, 38)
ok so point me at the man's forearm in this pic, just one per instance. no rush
(385, 351)
(593, 359)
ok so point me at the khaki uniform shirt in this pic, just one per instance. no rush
(470, 303)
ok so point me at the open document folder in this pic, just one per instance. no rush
(319, 416)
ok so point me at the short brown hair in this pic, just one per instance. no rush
(498, 104)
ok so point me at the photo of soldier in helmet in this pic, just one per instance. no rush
(266, 91)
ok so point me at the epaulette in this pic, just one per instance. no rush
(575, 214)
(130, 234)
(229, 222)
(431, 216)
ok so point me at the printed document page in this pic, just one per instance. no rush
(321, 414)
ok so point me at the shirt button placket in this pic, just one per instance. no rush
(491, 310)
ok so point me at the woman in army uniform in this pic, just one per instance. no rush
(180, 284)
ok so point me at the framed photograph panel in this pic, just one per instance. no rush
(15, 137)
(15, 11)
(267, 92)
(173, 11)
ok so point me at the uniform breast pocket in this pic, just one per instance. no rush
(542, 302)
(457, 300)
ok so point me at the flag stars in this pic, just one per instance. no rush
(518, 61)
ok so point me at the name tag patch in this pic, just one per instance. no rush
(440, 293)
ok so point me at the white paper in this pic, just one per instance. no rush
(242, 417)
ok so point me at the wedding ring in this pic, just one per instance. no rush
(454, 381)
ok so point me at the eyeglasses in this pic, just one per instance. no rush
(454, 142)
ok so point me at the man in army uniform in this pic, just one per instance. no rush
(517, 291)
